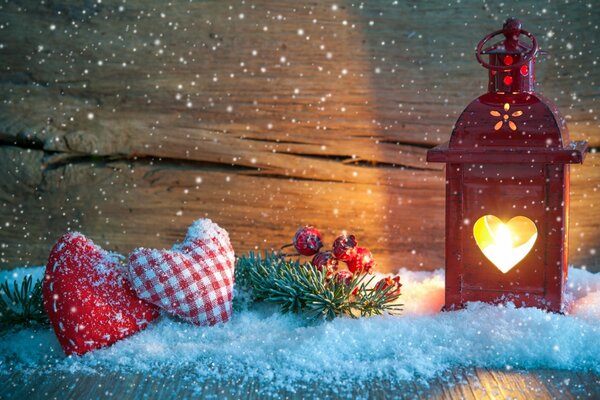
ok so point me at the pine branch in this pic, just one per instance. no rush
(22, 304)
(302, 288)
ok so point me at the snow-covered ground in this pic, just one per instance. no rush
(281, 349)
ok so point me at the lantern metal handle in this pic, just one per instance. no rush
(525, 58)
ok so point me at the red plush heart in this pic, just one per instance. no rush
(194, 280)
(88, 301)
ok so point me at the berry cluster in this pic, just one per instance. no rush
(308, 242)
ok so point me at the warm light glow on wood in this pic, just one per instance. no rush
(505, 244)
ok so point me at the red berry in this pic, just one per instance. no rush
(387, 282)
(344, 276)
(325, 261)
(307, 241)
(362, 262)
(344, 247)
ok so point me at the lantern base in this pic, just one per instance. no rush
(463, 306)
(518, 300)
(452, 307)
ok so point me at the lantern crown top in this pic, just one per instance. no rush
(511, 61)
(511, 30)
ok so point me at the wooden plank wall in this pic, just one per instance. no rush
(127, 121)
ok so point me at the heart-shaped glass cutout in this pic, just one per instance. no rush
(505, 244)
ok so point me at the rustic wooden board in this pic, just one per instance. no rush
(123, 204)
(463, 384)
(128, 121)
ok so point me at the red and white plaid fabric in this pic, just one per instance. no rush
(193, 280)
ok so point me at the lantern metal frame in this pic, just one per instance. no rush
(508, 155)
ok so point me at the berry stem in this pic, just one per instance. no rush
(290, 254)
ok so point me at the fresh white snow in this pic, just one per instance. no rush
(280, 349)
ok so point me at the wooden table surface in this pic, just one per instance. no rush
(459, 384)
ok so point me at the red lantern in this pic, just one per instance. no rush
(507, 186)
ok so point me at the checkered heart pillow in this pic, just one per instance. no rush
(193, 280)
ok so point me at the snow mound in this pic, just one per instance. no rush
(281, 349)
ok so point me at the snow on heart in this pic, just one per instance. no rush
(89, 302)
(193, 280)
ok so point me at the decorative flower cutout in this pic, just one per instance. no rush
(506, 118)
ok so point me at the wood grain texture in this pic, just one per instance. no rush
(469, 384)
(128, 121)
